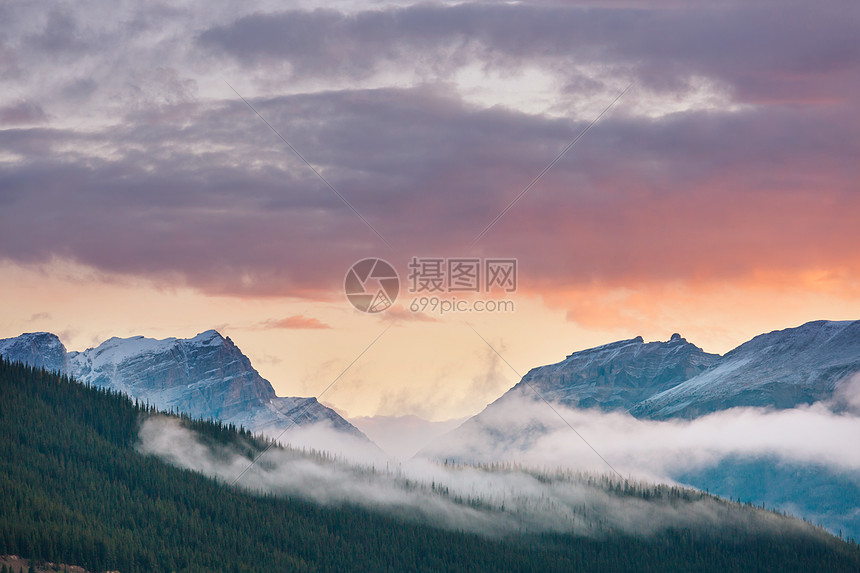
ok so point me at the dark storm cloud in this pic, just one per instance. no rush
(187, 185)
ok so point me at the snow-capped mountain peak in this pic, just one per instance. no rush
(206, 376)
(620, 374)
(208, 338)
(40, 349)
(780, 369)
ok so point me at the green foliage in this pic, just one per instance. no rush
(73, 489)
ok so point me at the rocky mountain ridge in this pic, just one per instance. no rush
(780, 369)
(677, 379)
(206, 376)
(815, 363)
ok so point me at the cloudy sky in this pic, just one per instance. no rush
(139, 193)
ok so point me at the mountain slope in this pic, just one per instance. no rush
(39, 349)
(206, 376)
(669, 380)
(780, 369)
(821, 494)
(617, 376)
(659, 380)
(612, 377)
(74, 488)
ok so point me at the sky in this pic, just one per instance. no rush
(166, 168)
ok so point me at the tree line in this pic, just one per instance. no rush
(74, 489)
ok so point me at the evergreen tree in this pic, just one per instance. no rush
(74, 489)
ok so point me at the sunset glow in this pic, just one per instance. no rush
(717, 198)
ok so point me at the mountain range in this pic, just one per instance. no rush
(781, 369)
(676, 380)
(92, 478)
(206, 376)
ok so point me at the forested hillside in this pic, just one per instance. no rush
(74, 489)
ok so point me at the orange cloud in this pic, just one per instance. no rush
(296, 322)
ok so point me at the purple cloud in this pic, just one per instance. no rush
(140, 166)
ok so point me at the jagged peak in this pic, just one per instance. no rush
(632, 346)
(209, 337)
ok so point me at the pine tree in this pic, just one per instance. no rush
(74, 489)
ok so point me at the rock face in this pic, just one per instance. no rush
(613, 377)
(618, 376)
(675, 379)
(206, 377)
(39, 349)
(660, 380)
(780, 369)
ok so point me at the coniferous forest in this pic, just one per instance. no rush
(73, 489)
